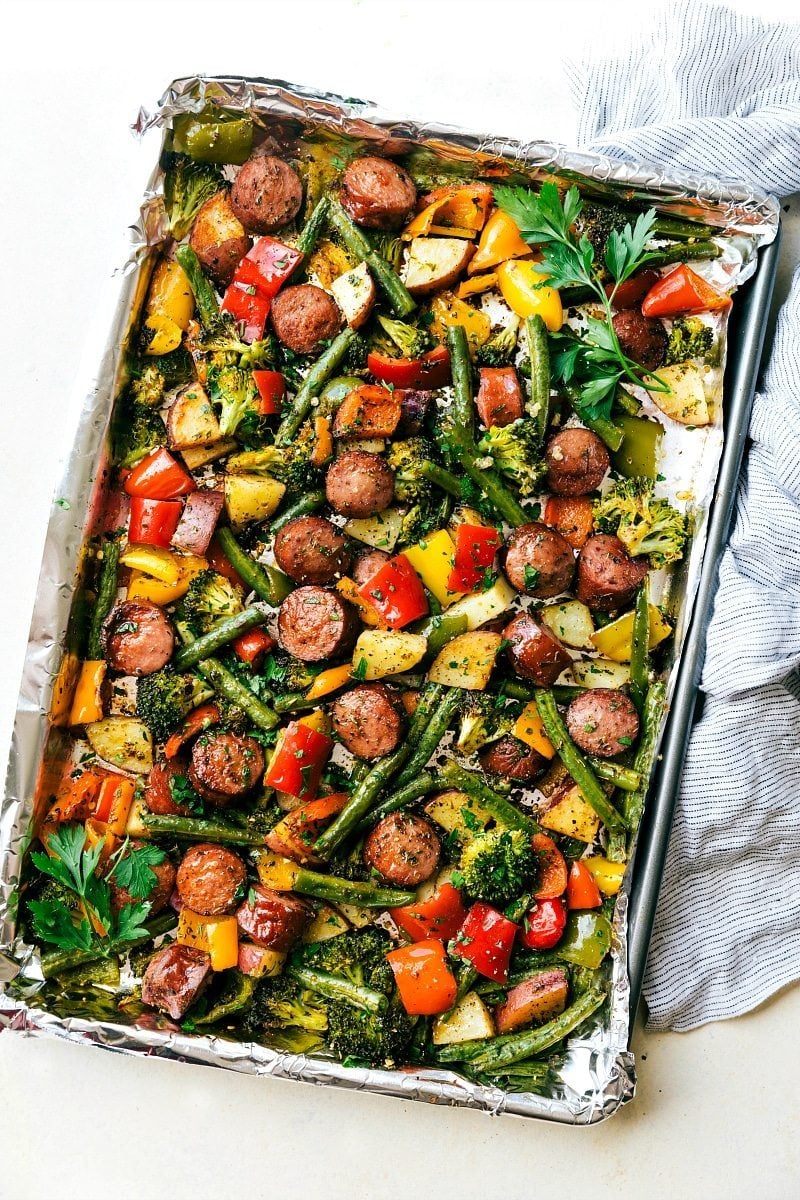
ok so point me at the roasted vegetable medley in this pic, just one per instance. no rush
(367, 695)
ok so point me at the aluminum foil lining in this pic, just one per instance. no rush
(595, 1073)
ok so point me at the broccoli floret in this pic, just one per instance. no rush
(410, 341)
(348, 863)
(263, 354)
(644, 524)
(689, 337)
(285, 674)
(355, 359)
(287, 1015)
(408, 459)
(597, 221)
(499, 350)
(358, 955)
(147, 389)
(498, 865)
(166, 697)
(235, 392)
(187, 185)
(482, 721)
(515, 450)
(292, 464)
(209, 598)
(137, 430)
(389, 246)
(174, 368)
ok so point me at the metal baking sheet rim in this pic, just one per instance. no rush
(610, 1065)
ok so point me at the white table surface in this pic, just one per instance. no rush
(716, 1112)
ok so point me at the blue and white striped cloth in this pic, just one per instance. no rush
(713, 90)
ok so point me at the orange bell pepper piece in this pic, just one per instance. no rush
(218, 936)
(459, 210)
(199, 719)
(87, 703)
(553, 874)
(582, 891)
(474, 287)
(323, 444)
(295, 834)
(77, 794)
(530, 730)
(114, 803)
(424, 980)
(500, 240)
(329, 681)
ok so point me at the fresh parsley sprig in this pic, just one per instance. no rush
(594, 361)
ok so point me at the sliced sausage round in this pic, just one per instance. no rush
(160, 892)
(225, 766)
(303, 316)
(158, 791)
(607, 576)
(273, 919)
(174, 978)
(513, 759)
(644, 339)
(138, 638)
(315, 623)
(377, 193)
(577, 460)
(359, 484)
(368, 563)
(369, 720)
(210, 879)
(403, 848)
(266, 194)
(311, 550)
(535, 652)
(499, 400)
(603, 722)
(539, 561)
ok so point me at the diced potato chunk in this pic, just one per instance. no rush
(458, 813)
(470, 1020)
(381, 652)
(435, 262)
(124, 742)
(251, 498)
(601, 673)
(354, 292)
(480, 607)
(191, 421)
(467, 661)
(200, 456)
(686, 400)
(572, 816)
(571, 622)
(326, 924)
(381, 531)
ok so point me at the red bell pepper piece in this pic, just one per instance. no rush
(486, 940)
(153, 522)
(431, 370)
(198, 719)
(544, 924)
(274, 262)
(440, 916)
(159, 477)
(582, 891)
(298, 761)
(252, 645)
(295, 834)
(682, 291)
(553, 874)
(257, 279)
(272, 390)
(247, 304)
(633, 290)
(396, 592)
(476, 547)
(424, 980)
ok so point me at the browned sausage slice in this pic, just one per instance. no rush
(513, 759)
(210, 879)
(174, 979)
(311, 550)
(368, 563)
(225, 766)
(537, 999)
(607, 576)
(315, 623)
(266, 194)
(138, 638)
(368, 720)
(539, 561)
(536, 654)
(303, 316)
(499, 400)
(577, 460)
(378, 193)
(359, 484)
(603, 722)
(159, 894)
(403, 848)
(273, 919)
(158, 793)
(644, 339)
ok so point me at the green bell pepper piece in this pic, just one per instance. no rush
(586, 940)
(213, 136)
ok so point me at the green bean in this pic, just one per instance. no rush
(563, 692)
(312, 231)
(622, 777)
(640, 647)
(440, 630)
(335, 987)
(633, 802)
(346, 891)
(57, 961)
(218, 636)
(525, 1077)
(463, 408)
(441, 478)
(503, 811)
(487, 480)
(423, 785)
(106, 595)
(199, 829)
(322, 370)
(431, 736)
(606, 430)
(205, 298)
(575, 763)
(229, 1004)
(228, 686)
(539, 353)
(267, 582)
(676, 227)
(293, 702)
(627, 403)
(390, 283)
(301, 508)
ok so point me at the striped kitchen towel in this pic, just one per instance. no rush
(711, 90)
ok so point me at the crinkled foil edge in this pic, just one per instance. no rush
(597, 1071)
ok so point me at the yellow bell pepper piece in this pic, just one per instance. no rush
(166, 335)
(318, 719)
(448, 310)
(530, 730)
(87, 702)
(518, 287)
(458, 211)
(500, 241)
(614, 640)
(276, 872)
(348, 590)
(218, 936)
(474, 287)
(323, 441)
(329, 681)
(152, 560)
(171, 294)
(607, 875)
(144, 587)
(432, 559)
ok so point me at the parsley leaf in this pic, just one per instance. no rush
(130, 922)
(132, 870)
(53, 922)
